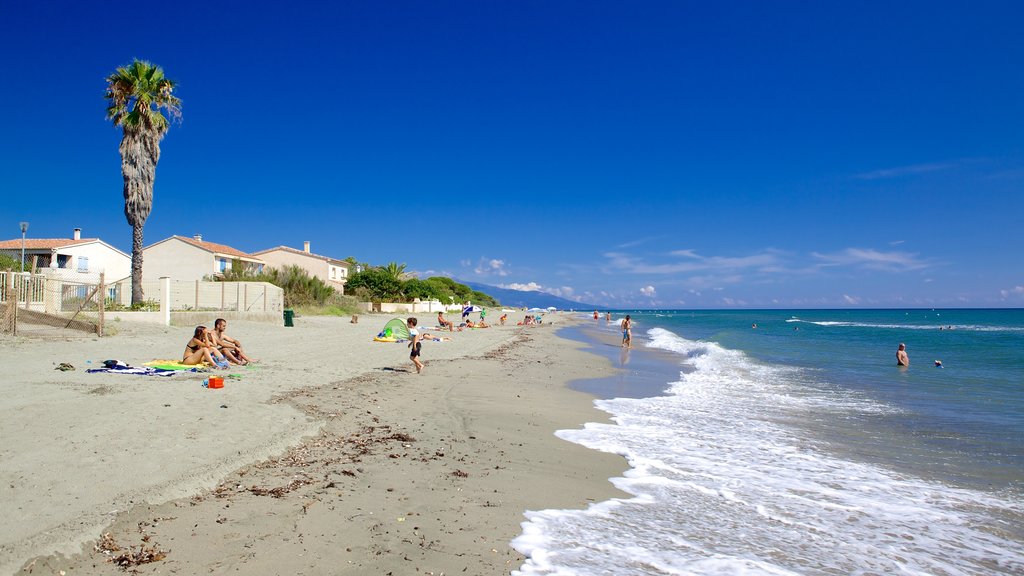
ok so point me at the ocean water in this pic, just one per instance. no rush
(799, 447)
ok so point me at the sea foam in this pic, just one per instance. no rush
(724, 483)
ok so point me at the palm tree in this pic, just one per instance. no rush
(395, 270)
(135, 95)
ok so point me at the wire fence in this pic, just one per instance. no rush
(54, 302)
(67, 300)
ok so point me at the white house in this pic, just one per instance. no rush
(333, 272)
(85, 255)
(193, 258)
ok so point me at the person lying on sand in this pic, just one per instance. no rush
(202, 348)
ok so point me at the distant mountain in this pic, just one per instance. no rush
(528, 298)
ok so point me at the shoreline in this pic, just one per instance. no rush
(366, 466)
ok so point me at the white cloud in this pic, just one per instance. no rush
(904, 171)
(491, 267)
(648, 291)
(853, 300)
(690, 261)
(528, 287)
(562, 292)
(1016, 291)
(873, 259)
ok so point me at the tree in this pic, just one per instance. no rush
(375, 284)
(135, 95)
(395, 270)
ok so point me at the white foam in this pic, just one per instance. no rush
(723, 485)
(964, 327)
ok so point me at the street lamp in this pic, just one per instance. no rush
(24, 228)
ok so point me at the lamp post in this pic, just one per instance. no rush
(24, 228)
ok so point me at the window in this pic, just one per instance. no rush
(83, 263)
(222, 265)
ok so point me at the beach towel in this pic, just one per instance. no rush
(173, 365)
(135, 370)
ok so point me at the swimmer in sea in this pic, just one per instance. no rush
(901, 356)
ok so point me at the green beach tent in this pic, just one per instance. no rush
(395, 328)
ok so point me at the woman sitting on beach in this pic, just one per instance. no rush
(201, 348)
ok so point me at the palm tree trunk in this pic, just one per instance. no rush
(137, 296)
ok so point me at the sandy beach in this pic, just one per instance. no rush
(329, 456)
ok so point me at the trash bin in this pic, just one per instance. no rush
(289, 316)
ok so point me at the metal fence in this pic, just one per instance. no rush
(52, 302)
(62, 300)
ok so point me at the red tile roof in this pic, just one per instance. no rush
(216, 248)
(301, 253)
(43, 243)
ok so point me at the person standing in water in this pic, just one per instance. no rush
(901, 355)
(627, 332)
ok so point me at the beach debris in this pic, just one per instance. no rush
(132, 556)
(64, 367)
(460, 474)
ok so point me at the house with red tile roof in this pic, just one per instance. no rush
(85, 255)
(181, 258)
(332, 271)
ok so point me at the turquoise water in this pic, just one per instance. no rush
(799, 447)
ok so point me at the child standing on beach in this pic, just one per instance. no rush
(414, 344)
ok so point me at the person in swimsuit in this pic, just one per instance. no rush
(901, 355)
(201, 348)
(414, 344)
(444, 323)
(227, 345)
(627, 332)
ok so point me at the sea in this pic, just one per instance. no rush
(790, 442)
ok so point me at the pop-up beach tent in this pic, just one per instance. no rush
(393, 331)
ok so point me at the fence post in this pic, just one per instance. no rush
(246, 292)
(264, 299)
(197, 296)
(103, 304)
(165, 299)
(238, 297)
(222, 288)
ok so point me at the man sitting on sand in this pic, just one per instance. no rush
(444, 323)
(227, 345)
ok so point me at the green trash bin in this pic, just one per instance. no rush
(289, 317)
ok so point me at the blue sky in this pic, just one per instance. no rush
(654, 154)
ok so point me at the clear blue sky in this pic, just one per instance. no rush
(646, 154)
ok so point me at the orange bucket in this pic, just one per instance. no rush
(216, 382)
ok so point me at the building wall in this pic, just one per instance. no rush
(281, 259)
(95, 258)
(178, 260)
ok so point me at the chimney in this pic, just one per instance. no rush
(305, 246)
(78, 234)
(198, 237)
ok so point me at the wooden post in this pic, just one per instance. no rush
(103, 304)
(222, 288)
(264, 298)
(197, 296)
(245, 291)
(238, 297)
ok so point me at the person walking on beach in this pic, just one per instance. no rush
(627, 332)
(414, 344)
(901, 355)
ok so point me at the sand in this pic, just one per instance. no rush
(330, 456)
